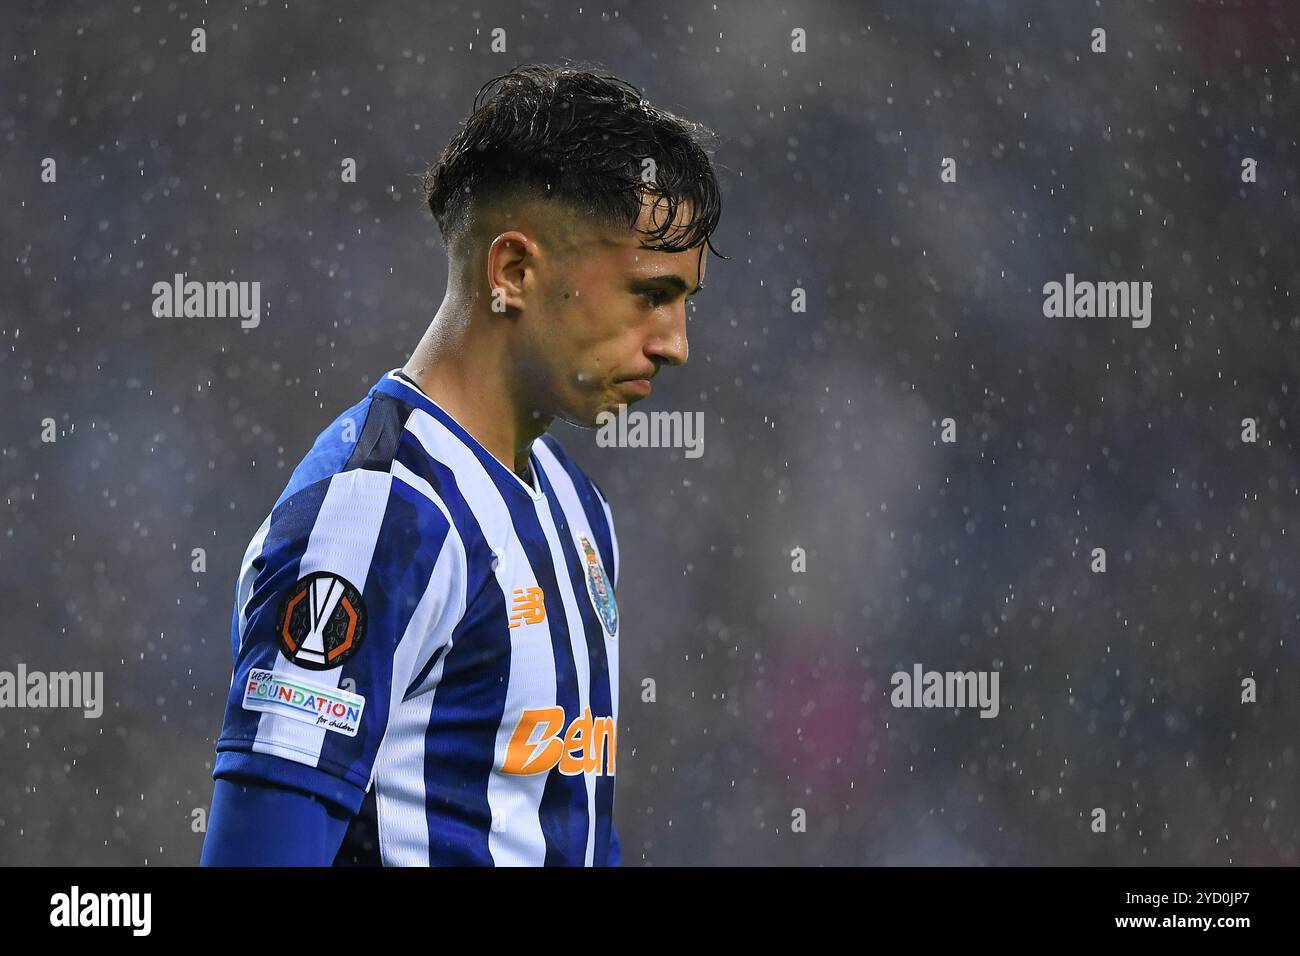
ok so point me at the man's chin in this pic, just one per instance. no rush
(595, 418)
(583, 419)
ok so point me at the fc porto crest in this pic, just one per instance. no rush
(599, 587)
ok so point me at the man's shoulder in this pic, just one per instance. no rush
(362, 436)
(343, 489)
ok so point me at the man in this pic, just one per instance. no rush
(425, 631)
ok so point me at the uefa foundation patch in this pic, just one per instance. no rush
(327, 707)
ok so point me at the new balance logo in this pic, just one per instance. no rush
(529, 607)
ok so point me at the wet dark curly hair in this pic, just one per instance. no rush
(579, 136)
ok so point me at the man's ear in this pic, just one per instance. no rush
(510, 258)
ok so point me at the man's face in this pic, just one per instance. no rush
(612, 316)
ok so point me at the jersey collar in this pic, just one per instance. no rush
(399, 388)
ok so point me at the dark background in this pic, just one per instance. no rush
(1118, 690)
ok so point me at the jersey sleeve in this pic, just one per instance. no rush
(348, 588)
(307, 831)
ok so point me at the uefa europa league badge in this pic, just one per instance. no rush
(322, 621)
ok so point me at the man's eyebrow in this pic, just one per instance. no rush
(676, 281)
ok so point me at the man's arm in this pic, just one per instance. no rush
(252, 823)
(337, 607)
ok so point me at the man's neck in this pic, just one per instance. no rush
(470, 384)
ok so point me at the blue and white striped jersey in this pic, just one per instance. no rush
(425, 639)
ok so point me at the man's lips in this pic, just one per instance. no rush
(639, 385)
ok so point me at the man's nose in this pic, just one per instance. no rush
(667, 344)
